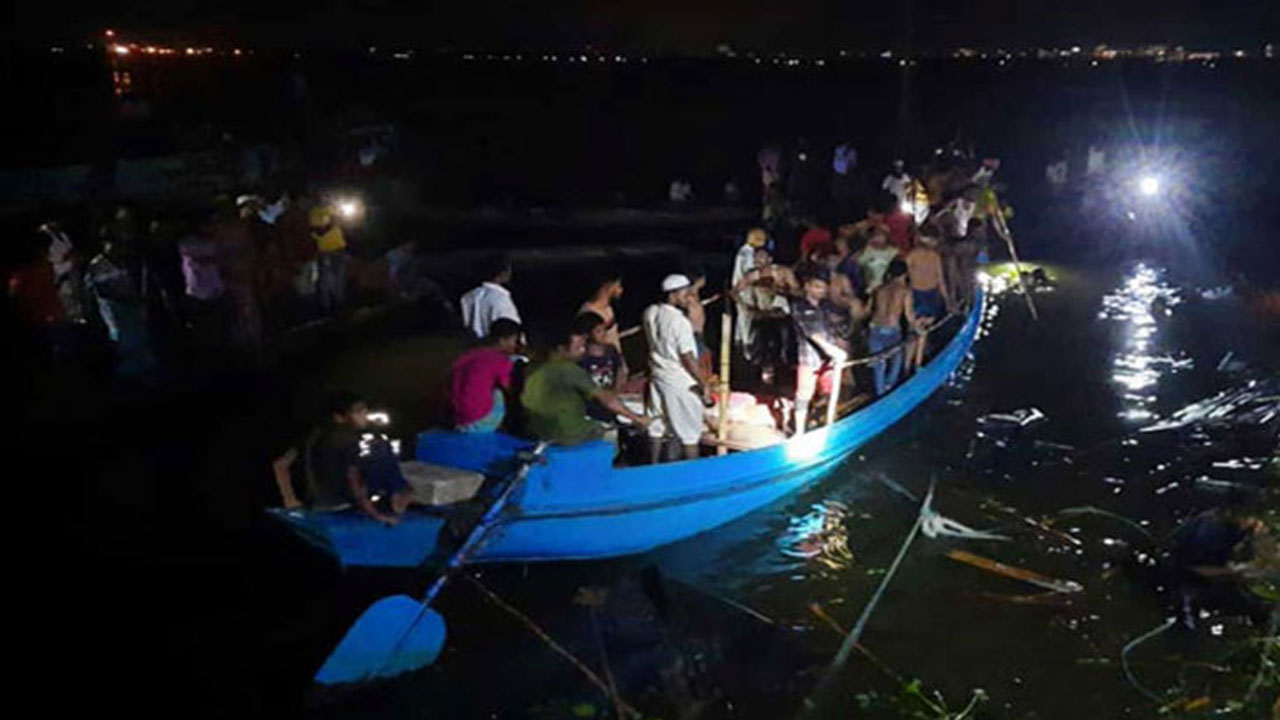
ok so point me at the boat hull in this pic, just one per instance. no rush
(577, 506)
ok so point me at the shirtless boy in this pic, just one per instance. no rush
(890, 303)
(928, 290)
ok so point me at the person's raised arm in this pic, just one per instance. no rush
(280, 469)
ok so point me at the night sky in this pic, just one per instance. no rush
(675, 26)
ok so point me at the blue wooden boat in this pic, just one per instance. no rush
(577, 506)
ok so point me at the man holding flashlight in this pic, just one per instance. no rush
(331, 259)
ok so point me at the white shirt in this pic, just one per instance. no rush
(670, 335)
(963, 210)
(484, 304)
(897, 184)
(743, 262)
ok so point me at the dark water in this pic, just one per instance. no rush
(1115, 350)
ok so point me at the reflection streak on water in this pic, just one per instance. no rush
(820, 535)
(1142, 300)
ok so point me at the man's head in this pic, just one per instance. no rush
(609, 287)
(878, 239)
(497, 269)
(571, 343)
(249, 206)
(763, 257)
(757, 237)
(899, 167)
(347, 408)
(815, 287)
(593, 327)
(504, 334)
(675, 288)
(897, 270)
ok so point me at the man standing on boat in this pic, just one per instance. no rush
(891, 303)
(743, 262)
(490, 300)
(677, 387)
(819, 349)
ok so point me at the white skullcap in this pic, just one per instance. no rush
(674, 282)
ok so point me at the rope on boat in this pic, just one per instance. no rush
(851, 641)
(1124, 657)
(625, 710)
(899, 346)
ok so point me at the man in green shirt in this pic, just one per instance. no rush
(555, 396)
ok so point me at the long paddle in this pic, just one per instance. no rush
(399, 634)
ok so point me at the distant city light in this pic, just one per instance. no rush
(120, 49)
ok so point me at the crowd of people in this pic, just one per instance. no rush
(875, 286)
(232, 277)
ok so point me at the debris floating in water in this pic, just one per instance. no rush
(1256, 403)
(1017, 573)
(1020, 418)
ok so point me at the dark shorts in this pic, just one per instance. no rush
(928, 303)
(380, 470)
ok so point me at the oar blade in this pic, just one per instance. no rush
(394, 635)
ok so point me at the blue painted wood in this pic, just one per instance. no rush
(359, 541)
(394, 635)
(578, 506)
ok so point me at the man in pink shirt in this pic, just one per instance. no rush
(479, 377)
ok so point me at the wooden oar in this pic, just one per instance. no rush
(399, 634)
(1017, 573)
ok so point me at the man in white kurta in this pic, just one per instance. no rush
(676, 387)
(490, 300)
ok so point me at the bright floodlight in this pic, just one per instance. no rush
(348, 208)
(1149, 185)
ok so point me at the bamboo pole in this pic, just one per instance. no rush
(726, 347)
(1017, 573)
(1002, 230)
(833, 400)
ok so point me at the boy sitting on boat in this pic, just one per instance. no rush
(480, 377)
(340, 468)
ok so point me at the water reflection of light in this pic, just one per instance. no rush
(1139, 303)
(820, 535)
